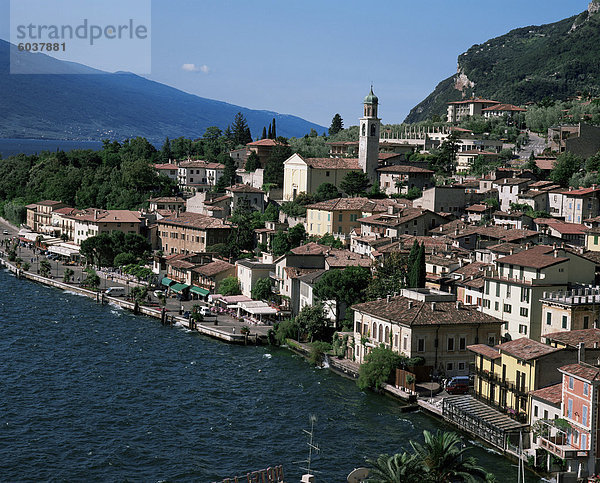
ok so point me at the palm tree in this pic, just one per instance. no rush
(398, 468)
(443, 460)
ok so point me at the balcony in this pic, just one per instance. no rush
(274, 276)
(554, 440)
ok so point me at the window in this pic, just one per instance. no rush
(462, 344)
(535, 411)
(450, 343)
(449, 366)
(487, 288)
(461, 366)
(326, 173)
(570, 409)
(524, 294)
(491, 340)
(496, 306)
(524, 311)
(522, 329)
(353, 217)
(340, 217)
(545, 414)
(586, 322)
(508, 289)
(564, 321)
(507, 308)
(584, 441)
(497, 290)
(420, 345)
(548, 318)
(570, 382)
(405, 343)
(584, 415)
(586, 389)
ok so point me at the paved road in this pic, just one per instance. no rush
(536, 144)
(173, 306)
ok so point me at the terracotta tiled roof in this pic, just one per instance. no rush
(404, 216)
(165, 166)
(404, 169)
(340, 204)
(294, 272)
(511, 181)
(485, 350)
(333, 163)
(545, 164)
(478, 208)
(201, 164)
(526, 349)
(504, 107)
(572, 338)
(471, 269)
(469, 101)
(386, 156)
(476, 151)
(167, 199)
(107, 216)
(400, 310)
(337, 258)
(539, 256)
(583, 371)
(551, 394)
(567, 228)
(311, 248)
(244, 188)
(194, 220)
(214, 268)
(581, 191)
(264, 142)
(67, 211)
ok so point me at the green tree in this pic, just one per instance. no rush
(253, 162)
(344, 287)
(337, 124)
(389, 277)
(398, 468)
(355, 183)
(165, 152)
(229, 286)
(124, 258)
(68, 275)
(312, 318)
(240, 130)
(92, 280)
(566, 165)
(327, 191)
(274, 164)
(297, 235)
(264, 133)
(416, 268)
(380, 364)
(443, 459)
(45, 268)
(318, 352)
(287, 329)
(281, 243)
(262, 289)
(274, 130)
(139, 293)
(492, 203)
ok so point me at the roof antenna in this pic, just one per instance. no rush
(308, 477)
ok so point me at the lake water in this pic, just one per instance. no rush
(93, 393)
(9, 147)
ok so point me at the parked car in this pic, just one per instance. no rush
(458, 385)
(115, 291)
(5, 232)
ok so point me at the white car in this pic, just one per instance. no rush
(5, 232)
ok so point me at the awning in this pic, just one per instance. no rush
(199, 291)
(179, 287)
(166, 281)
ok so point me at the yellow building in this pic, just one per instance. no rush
(305, 175)
(505, 374)
(338, 216)
(424, 323)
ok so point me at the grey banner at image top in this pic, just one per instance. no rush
(75, 37)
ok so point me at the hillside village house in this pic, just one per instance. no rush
(191, 232)
(465, 159)
(93, 222)
(338, 216)
(399, 179)
(578, 445)
(505, 374)
(499, 110)
(251, 271)
(460, 110)
(509, 190)
(167, 203)
(199, 175)
(39, 215)
(261, 148)
(408, 221)
(167, 169)
(306, 175)
(243, 194)
(581, 204)
(514, 287)
(448, 199)
(570, 310)
(426, 323)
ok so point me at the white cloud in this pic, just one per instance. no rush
(196, 68)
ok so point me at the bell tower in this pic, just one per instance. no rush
(368, 143)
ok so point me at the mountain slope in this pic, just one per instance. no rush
(84, 106)
(556, 60)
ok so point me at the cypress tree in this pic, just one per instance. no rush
(274, 131)
(264, 133)
(421, 273)
(411, 276)
(270, 136)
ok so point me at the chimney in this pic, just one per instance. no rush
(458, 305)
(433, 306)
(512, 251)
(390, 210)
(555, 253)
(581, 352)
(410, 305)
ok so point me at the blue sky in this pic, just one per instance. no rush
(315, 58)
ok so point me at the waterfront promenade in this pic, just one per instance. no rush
(221, 326)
